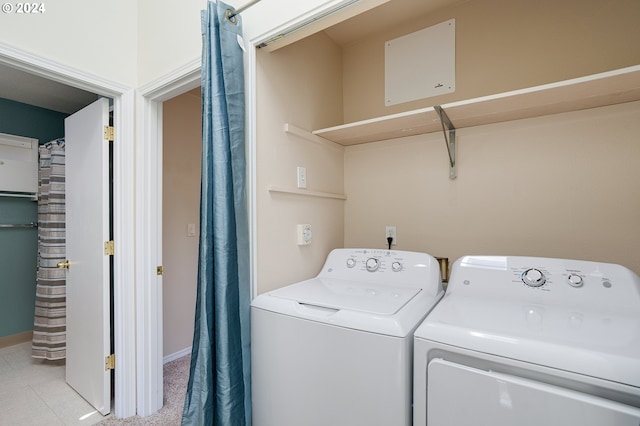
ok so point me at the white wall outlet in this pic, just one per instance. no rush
(391, 232)
(191, 230)
(304, 234)
(302, 177)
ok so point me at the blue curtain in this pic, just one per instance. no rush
(219, 388)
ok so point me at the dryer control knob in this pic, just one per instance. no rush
(351, 262)
(372, 264)
(533, 277)
(575, 280)
(396, 266)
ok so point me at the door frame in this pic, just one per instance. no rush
(123, 208)
(149, 99)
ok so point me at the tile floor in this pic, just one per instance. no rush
(33, 392)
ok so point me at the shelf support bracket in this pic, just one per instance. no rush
(450, 141)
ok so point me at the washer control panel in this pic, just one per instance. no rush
(374, 265)
(371, 260)
(533, 277)
(575, 280)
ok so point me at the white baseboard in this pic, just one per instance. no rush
(176, 355)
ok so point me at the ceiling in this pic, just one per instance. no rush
(20, 86)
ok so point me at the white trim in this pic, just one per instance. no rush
(124, 257)
(56, 71)
(149, 229)
(124, 334)
(149, 239)
(176, 355)
(251, 112)
(312, 21)
(173, 84)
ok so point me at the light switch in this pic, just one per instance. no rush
(191, 230)
(302, 177)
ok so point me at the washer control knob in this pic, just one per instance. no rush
(396, 266)
(575, 280)
(533, 277)
(351, 262)
(372, 264)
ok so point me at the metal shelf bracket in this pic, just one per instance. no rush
(450, 141)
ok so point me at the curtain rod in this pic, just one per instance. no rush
(231, 15)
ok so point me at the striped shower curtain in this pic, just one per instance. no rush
(49, 325)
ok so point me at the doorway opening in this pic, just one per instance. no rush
(48, 73)
(57, 341)
(181, 176)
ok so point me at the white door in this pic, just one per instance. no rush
(88, 276)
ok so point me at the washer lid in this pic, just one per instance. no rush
(378, 299)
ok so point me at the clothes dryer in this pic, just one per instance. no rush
(531, 341)
(337, 349)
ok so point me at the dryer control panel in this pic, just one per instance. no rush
(573, 316)
(392, 267)
(574, 282)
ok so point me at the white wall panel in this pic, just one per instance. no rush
(98, 37)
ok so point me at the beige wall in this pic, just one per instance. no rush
(502, 45)
(558, 186)
(182, 153)
(299, 84)
(550, 186)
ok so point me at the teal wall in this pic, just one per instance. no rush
(18, 247)
(32, 122)
(18, 257)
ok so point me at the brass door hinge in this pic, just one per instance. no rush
(159, 270)
(109, 362)
(109, 248)
(109, 131)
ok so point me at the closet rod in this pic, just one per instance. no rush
(19, 225)
(19, 195)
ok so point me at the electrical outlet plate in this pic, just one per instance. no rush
(304, 234)
(391, 232)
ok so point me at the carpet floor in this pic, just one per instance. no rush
(176, 376)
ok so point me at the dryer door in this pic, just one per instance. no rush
(460, 395)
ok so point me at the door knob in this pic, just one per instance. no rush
(64, 264)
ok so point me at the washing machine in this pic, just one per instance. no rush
(337, 349)
(531, 341)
